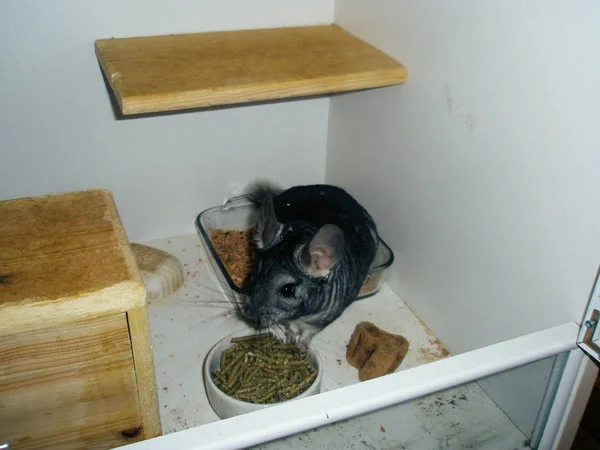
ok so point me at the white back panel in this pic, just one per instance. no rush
(481, 171)
(58, 131)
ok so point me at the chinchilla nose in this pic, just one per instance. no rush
(247, 311)
(258, 315)
(250, 312)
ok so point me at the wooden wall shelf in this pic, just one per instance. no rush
(175, 72)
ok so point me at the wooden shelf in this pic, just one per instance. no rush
(174, 72)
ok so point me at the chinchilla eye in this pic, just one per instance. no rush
(288, 290)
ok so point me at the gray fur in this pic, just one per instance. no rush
(268, 229)
(314, 248)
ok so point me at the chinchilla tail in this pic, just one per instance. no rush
(260, 190)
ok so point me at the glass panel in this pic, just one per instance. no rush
(462, 417)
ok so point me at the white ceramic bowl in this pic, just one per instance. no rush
(226, 406)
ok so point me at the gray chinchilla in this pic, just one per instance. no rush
(314, 248)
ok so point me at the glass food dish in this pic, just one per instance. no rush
(240, 214)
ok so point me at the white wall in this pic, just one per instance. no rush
(58, 131)
(483, 170)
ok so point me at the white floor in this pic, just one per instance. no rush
(187, 324)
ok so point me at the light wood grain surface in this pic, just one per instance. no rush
(69, 387)
(162, 73)
(143, 358)
(64, 258)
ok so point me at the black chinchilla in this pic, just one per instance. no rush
(314, 248)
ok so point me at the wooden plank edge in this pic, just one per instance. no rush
(17, 317)
(141, 338)
(123, 242)
(42, 197)
(261, 92)
(143, 361)
(114, 80)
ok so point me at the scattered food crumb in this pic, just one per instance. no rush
(382, 428)
(168, 241)
(171, 355)
(179, 418)
(166, 389)
(433, 354)
(339, 361)
(200, 260)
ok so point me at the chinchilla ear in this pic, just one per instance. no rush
(268, 230)
(323, 251)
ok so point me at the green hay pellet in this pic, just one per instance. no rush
(261, 369)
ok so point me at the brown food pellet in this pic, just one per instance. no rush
(235, 250)
(375, 352)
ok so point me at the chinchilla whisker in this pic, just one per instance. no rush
(206, 305)
(326, 347)
(210, 280)
(197, 300)
(212, 296)
(202, 290)
(201, 300)
(270, 327)
(261, 329)
(204, 287)
(210, 319)
(190, 304)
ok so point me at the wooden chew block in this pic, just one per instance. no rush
(375, 352)
(163, 73)
(161, 272)
(64, 258)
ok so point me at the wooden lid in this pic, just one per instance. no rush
(63, 258)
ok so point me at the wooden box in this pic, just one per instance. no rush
(76, 366)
